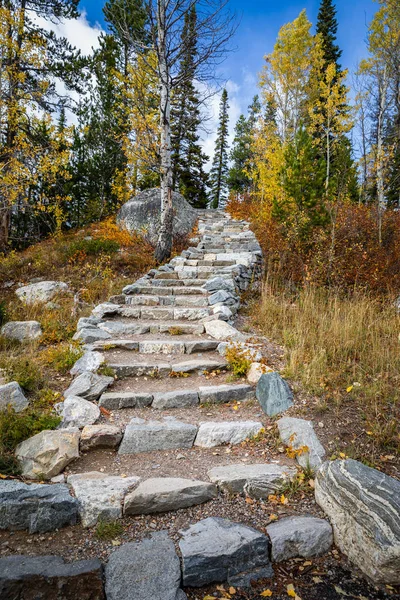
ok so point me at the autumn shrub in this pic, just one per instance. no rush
(62, 357)
(78, 250)
(25, 371)
(239, 359)
(345, 255)
(343, 349)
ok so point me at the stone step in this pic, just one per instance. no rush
(157, 313)
(169, 434)
(165, 291)
(162, 494)
(166, 345)
(256, 480)
(159, 366)
(179, 398)
(199, 300)
(191, 282)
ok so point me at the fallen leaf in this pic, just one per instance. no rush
(348, 389)
(273, 517)
(232, 590)
(317, 580)
(266, 593)
(283, 499)
(104, 411)
(209, 598)
(290, 590)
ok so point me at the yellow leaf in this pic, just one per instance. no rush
(290, 590)
(283, 499)
(232, 590)
(342, 455)
(235, 408)
(266, 593)
(208, 598)
(273, 517)
(349, 388)
(369, 432)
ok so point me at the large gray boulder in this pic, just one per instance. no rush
(47, 453)
(100, 496)
(41, 292)
(363, 506)
(50, 578)
(36, 507)
(12, 395)
(299, 536)
(21, 330)
(142, 214)
(146, 570)
(218, 550)
(162, 494)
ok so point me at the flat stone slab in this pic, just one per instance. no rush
(212, 434)
(299, 536)
(89, 385)
(175, 399)
(89, 335)
(11, 394)
(146, 570)
(257, 480)
(163, 494)
(103, 435)
(100, 496)
(215, 394)
(222, 331)
(37, 508)
(49, 577)
(77, 412)
(116, 400)
(47, 453)
(218, 550)
(300, 434)
(21, 330)
(273, 394)
(145, 436)
(90, 361)
(363, 506)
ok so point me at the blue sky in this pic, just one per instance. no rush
(260, 21)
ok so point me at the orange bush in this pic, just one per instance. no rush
(345, 255)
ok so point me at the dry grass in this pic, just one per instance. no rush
(344, 349)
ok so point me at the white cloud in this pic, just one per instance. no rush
(79, 32)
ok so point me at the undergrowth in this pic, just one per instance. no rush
(343, 349)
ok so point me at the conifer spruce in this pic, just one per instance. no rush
(327, 26)
(219, 169)
(188, 159)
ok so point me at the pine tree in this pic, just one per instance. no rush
(219, 169)
(188, 159)
(327, 27)
(303, 176)
(242, 153)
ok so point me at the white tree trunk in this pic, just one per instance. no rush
(379, 151)
(164, 244)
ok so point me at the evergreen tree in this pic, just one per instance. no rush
(242, 153)
(219, 169)
(188, 159)
(327, 26)
(303, 174)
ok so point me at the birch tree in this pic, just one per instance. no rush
(214, 28)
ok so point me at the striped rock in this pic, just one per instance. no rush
(363, 506)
